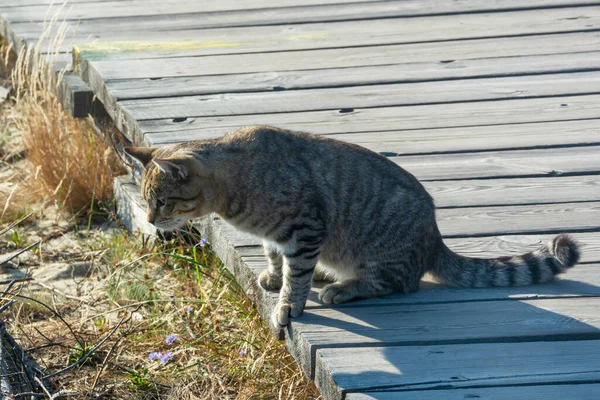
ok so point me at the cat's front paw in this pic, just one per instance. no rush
(282, 313)
(268, 281)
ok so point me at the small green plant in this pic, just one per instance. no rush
(16, 238)
(139, 379)
(79, 351)
(100, 322)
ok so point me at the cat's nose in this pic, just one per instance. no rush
(151, 217)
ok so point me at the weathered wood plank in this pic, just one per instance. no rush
(389, 95)
(116, 14)
(485, 113)
(443, 368)
(477, 138)
(543, 392)
(21, 3)
(445, 323)
(404, 83)
(142, 8)
(506, 220)
(149, 64)
(188, 66)
(503, 164)
(339, 34)
(514, 191)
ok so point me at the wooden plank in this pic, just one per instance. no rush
(231, 13)
(503, 164)
(147, 65)
(143, 8)
(22, 3)
(369, 96)
(411, 75)
(442, 368)
(514, 191)
(506, 220)
(477, 138)
(188, 61)
(543, 392)
(445, 323)
(183, 127)
(340, 34)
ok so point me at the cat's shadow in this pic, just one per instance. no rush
(400, 341)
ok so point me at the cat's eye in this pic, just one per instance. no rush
(160, 203)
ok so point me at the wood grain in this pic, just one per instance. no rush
(455, 366)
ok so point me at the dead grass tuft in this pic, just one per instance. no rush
(66, 160)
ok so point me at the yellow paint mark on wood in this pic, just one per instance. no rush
(134, 46)
(309, 37)
(94, 50)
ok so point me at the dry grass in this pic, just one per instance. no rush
(66, 161)
(142, 295)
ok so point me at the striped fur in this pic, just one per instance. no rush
(324, 205)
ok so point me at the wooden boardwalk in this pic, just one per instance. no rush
(494, 105)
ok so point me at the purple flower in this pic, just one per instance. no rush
(154, 356)
(243, 352)
(166, 357)
(189, 310)
(171, 338)
(203, 242)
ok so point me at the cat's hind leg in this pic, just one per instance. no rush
(373, 280)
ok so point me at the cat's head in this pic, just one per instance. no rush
(176, 185)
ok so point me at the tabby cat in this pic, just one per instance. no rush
(368, 223)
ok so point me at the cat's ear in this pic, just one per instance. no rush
(142, 154)
(180, 165)
(173, 167)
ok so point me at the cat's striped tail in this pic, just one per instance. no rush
(538, 266)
